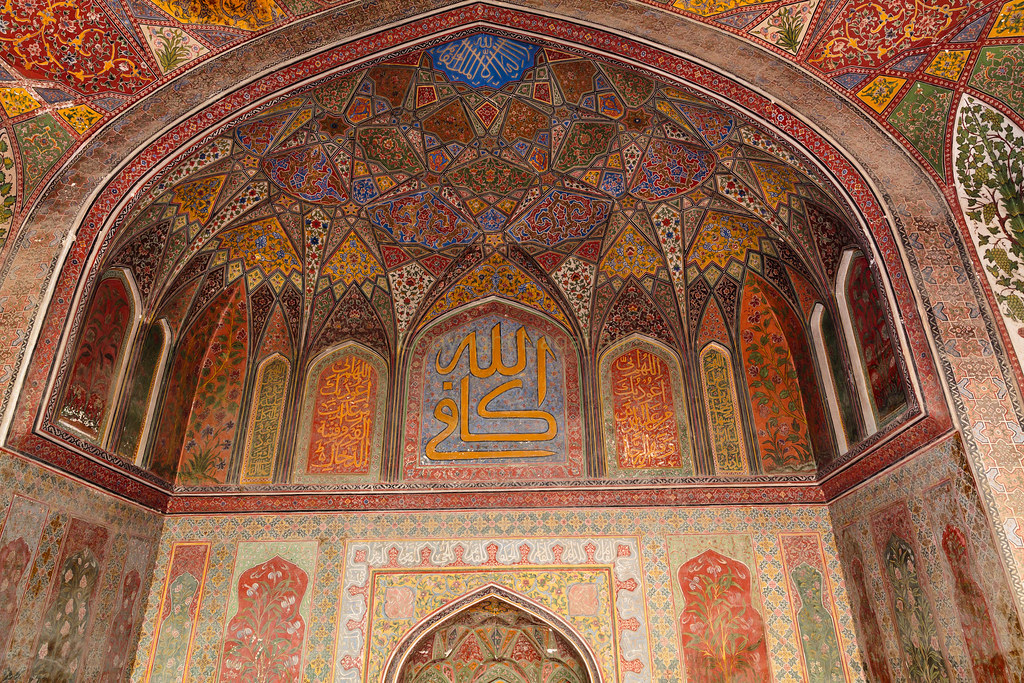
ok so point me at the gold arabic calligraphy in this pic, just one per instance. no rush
(645, 418)
(455, 415)
(342, 429)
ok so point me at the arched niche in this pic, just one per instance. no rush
(472, 417)
(91, 388)
(266, 415)
(141, 393)
(880, 390)
(341, 426)
(722, 410)
(827, 358)
(787, 411)
(534, 642)
(198, 427)
(644, 410)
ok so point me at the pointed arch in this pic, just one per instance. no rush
(266, 415)
(341, 426)
(353, 319)
(633, 311)
(722, 409)
(276, 337)
(712, 326)
(523, 620)
(90, 393)
(141, 401)
(499, 276)
(829, 374)
(643, 409)
(879, 386)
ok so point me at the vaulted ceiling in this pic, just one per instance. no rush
(69, 67)
(582, 182)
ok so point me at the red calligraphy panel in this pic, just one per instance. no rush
(341, 435)
(646, 431)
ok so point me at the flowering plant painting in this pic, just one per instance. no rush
(722, 632)
(264, 638)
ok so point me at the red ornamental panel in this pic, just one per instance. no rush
(71, 43)
(341, 436)
(796, 338)
(776, 400)
(872, 334)
(722, 632)
(212, 425)
(646, 432)
(264, 638)
(87, 397)
(986, 658)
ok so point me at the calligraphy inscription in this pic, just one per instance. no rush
(646, 429)
(723, 413)
(341, 437)
(495, 393)
(266, 423)
(484, 61)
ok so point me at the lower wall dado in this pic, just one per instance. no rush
(924, 579)
(908, 587)
(75, 570)
(725, 593)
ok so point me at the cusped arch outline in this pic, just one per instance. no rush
(430, 624)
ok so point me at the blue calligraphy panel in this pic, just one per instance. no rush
(493, 393)
(483, 60)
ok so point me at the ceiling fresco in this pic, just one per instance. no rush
(904, 62)
(555, 268)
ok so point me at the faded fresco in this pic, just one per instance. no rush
(368, 600)
(921, 564)
(76, 568)
(87, 400)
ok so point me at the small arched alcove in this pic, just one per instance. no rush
(489, 635)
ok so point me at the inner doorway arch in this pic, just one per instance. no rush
(492, 635)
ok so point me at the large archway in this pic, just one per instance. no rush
(489, 635)
(910, 479)
(368, 199)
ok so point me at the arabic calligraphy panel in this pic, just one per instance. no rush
(643, 411)
(483, 61)
(723, 411)
(342, 427)
(494, 393)
(265, 421)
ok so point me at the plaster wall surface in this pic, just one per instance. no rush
(925, 581)
(75, 570)
(613, 574)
